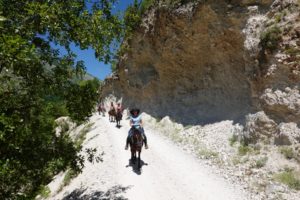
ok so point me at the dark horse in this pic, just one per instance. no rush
(136, 144)
(118, 118)
(101, 109)
(112, 115)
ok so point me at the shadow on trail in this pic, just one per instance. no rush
(114, 192)
(93, 137)
(135, 168)
(119, 126)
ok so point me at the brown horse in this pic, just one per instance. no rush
(136, 144)
(118, 118)
(112, 115)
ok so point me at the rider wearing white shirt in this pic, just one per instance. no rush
(136, 123)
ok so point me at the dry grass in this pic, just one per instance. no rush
(290, 178)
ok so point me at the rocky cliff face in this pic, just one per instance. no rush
(205, 62)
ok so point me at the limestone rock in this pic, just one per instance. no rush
(282, 105)
(289, 132)
(204, 62)
(188, 66)
(259, 125)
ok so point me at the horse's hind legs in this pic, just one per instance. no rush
(139, 160)
(132, 158)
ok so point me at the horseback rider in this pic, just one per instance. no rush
(136, 123)
(112, 107)
(119, 108)
(101, 109)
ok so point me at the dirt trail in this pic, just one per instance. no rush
(168, 173)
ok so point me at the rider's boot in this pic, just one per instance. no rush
(127, 143)
(145, 141)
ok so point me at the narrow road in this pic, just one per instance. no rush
(168, 173)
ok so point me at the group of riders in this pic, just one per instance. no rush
(135, 121)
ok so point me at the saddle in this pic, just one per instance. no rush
(139, 142)
(112, 112)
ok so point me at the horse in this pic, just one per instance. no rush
(112, 115)
(118, 118)
(102, 110)
(136, 144)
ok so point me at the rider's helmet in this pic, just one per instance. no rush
(135, 112)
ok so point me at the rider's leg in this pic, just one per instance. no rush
(144, 137)
(128, 138)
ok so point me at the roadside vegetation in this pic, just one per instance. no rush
(289, 177)
(70, 174)
(271, 38)
(38, 85)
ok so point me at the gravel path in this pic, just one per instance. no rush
(168, 173)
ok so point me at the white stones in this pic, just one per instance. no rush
(252, 31)
(291, 131)
(253, 10)
(271, 70)
(259, 124)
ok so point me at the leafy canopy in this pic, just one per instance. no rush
(38, 85)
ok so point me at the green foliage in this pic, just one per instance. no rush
(288, 152)
(82, 134)
(278, 17)
(145, 5)
(176, 3)
(239, 160)
(114, 66)
(233, 139)
(37, 85)
(261, 162)
(70, 174)
(131, 21)
(243, 150)
(44, 192)
(271, 38)
(132, 18)
(290, 178)
(206, 153)
(81, 99)
(292, 51)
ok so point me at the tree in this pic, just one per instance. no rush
(37, 85)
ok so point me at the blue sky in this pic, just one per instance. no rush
(94, 67)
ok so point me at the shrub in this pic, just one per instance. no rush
(37, 86)
(289, 178)
(261, 162)
(44, 192)
(145, 5)
(243, 150)
(67, 178)
(206, 153)
(292, 51)
(278, 17)
(288, 152)
(270, 38)
(239, 160)
(233, 139)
